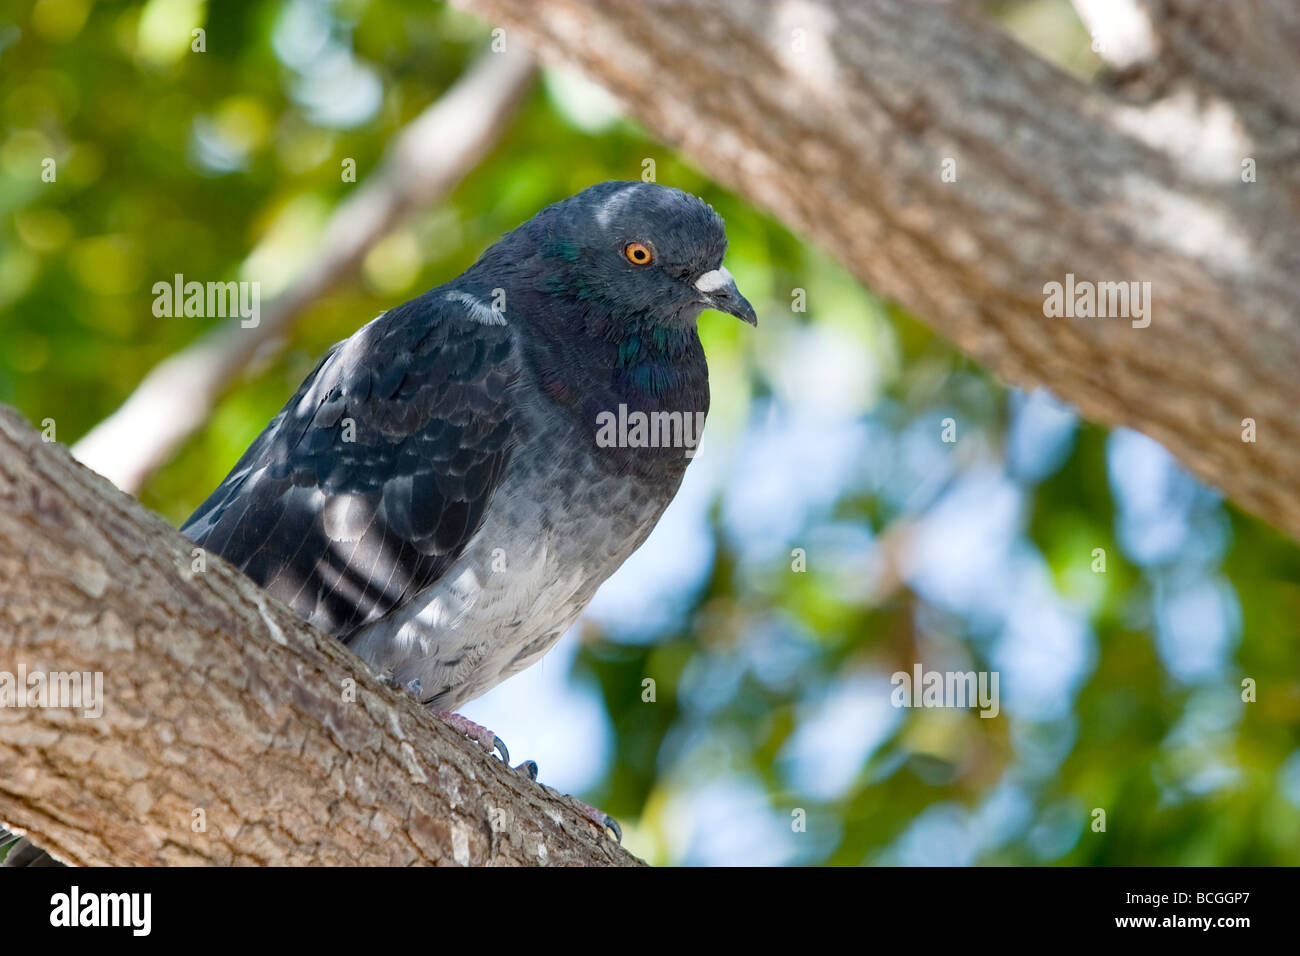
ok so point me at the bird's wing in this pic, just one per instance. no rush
(371, 480)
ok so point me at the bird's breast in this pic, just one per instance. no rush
(561, 522)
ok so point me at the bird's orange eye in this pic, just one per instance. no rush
(638, 254)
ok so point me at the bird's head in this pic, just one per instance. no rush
(647, 252)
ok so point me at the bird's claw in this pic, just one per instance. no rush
(609, 823)
(477, 733)
(602, 820)
(490, 741)
(411, 687)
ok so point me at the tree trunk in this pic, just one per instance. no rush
(231, 731)
(838, 116)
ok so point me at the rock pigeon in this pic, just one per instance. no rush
(448, 488)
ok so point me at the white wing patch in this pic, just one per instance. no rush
(477, 310)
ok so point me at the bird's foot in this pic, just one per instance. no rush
(483, 737)
(475, 732)
(601, 819)
(489, 741)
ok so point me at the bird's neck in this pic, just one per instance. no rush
(625, 372)
(648, 366)
(658, 367)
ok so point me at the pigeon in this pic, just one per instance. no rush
(448, 488)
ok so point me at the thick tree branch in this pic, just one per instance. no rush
(838, 115)
(1209, 81)
(221, 705)
(1246, 52)
(424, 163)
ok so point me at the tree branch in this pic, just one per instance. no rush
(423, 164)
(838, 115)
(220, 705)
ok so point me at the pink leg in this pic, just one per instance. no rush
(490, 741)
(601, 819)
(476, 732)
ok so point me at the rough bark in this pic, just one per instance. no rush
(838, 115)
(219, 699)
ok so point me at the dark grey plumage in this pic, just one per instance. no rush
(434, 494)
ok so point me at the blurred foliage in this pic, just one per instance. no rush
(1121, 690)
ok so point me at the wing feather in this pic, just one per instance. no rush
(346, 531)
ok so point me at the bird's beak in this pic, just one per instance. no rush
(720, 292)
